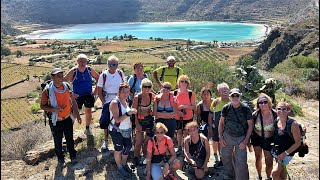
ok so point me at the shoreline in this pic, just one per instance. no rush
(45, 29)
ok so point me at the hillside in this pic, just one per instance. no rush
(103, 11)
(283, 42)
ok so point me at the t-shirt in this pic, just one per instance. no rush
(137, 86)
(112, 83)
(232, 125)
(166, 142)
(182, 98)
(170, 75)
(219, 105)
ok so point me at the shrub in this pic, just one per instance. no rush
(35, 108)
(32, 94)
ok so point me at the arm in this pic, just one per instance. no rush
(210, 122)
(244, 143)
(135, 105)
(115, 112)
(69, 76)
(75, 108)
(148, 166)
(100, 88)
(155, 76)
(186, 151)
(207, 145)
(44, 104)
(220, 130)
(95, 75)
(297, 141)
(198, 114)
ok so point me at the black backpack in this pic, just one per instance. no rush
(105, 114)
(303, 148)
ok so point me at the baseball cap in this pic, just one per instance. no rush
(235, 91)
(56, 71)
(171, 58)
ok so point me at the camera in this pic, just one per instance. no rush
(304, 150)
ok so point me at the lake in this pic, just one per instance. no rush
(199, 31)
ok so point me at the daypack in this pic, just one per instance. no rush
(104, 76)
(164, 69)
(105, 114)
(135, 81)
(45, 85)
(303, 148)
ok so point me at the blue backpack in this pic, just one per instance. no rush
(105, 114)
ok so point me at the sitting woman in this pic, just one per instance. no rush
(143, 120)
(197, 150)
(262, 134)
(164, 109)
(161, 157)
(287, 138)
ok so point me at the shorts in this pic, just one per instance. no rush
(286, 160)
(205, 130)
(156, 170)
(171, 125)
(87, 100)
(264, 143)
(147, 126)
(199, 162)
(120, 143)
(181, 124)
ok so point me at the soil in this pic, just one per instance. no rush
(96, 165)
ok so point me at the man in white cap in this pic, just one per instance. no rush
(81, 77)
(57, 99)
(169, 73)
(235, 128)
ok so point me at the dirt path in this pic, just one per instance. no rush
(95, 165)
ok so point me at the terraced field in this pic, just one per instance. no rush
(15, 112)
(131, 58)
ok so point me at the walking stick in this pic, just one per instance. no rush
(285, 167)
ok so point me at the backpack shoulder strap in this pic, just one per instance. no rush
(215, 102)
(162, 73)
(150, 96)
(175, 92)
(89, 70)
(177, 69)
(119, 106)
(190, 95)
(104, 76)
(288, 126)
(121, 75)
(134, 82)
(201, 107)
(145, 75)
(139, 99)
(75, 71)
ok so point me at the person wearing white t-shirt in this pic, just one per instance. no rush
(108, 86)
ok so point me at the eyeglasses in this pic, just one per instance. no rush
(263, 102)
(147, 87)
(159, 132)
(113, 65)
(167, 87)
(182, 81)
(192, 129)
(235, 95)
(282, 109)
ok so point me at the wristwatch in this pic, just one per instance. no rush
(127, 114)
(286, 153)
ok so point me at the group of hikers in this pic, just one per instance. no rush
(169, 124)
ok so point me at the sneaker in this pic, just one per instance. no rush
(123, 172)
(216, 158)
(259, 178)
(126, 167)
(74, 161)
(179, 152)
(88, 132)
(269, 178)
(104, 147)
(218, 165)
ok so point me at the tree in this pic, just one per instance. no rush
(19, 53)
(5, 51)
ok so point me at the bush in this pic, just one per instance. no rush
(35, 108)
(32, 94)
(305, 62)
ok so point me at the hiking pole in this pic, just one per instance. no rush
(285, 167)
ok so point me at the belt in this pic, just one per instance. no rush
(61, 119)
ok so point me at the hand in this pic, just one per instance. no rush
(132, 111)
(281, 156)
(165, 170)
(75, 95)
(243, 145)
(148, 176)
(79, 120)
(222, 142)
(205, 167)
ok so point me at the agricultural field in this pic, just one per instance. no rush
(13, 74)
(131, 58)
(15, 112)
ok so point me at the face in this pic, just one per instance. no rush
(171, 63)
(193, 130)
(146, 88)
(183, 83)
(139, 69)
(282, 111)
(205, 95)
(58, 77)
(263, 103)
(159, 133)
(235, 98)
(224, 92)
(166, 88)
(113, 65)
(82, 62)
(124, 93)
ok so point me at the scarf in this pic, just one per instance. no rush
(53, 99)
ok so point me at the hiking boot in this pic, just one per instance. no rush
(88, 132)
(104, 147)
(269, 178)
(218, 165)
(123, 172)
(74, 161)
(179, 152)
(126, 167)
(259, 178)
(216, 158)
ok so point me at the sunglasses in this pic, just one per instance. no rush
(235, 95)
(167, 87)
(263, 102)
(192, 129)
(282, 109)
(113, 65)
(147, 87)
(182, 81)
(159, 132)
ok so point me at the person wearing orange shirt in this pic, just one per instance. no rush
(58, 100)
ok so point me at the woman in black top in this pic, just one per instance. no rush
(203, 108)
(286, 141)
(197, 150)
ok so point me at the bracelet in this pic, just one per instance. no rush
(127, 114)
(286, 153)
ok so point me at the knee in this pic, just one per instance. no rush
(126, 150)
(275, 174)
(176, 164)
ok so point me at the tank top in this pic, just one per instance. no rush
(82, 83)
(198, 149)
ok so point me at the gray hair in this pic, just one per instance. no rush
(113, 57)
(222, 85)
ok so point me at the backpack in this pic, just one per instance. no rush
(135, 81)
(105, 114)
(164, 69)
(75, 71)
(303, 148)
(45, 86)
(104, 76)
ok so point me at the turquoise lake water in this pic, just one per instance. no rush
(200, 31)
